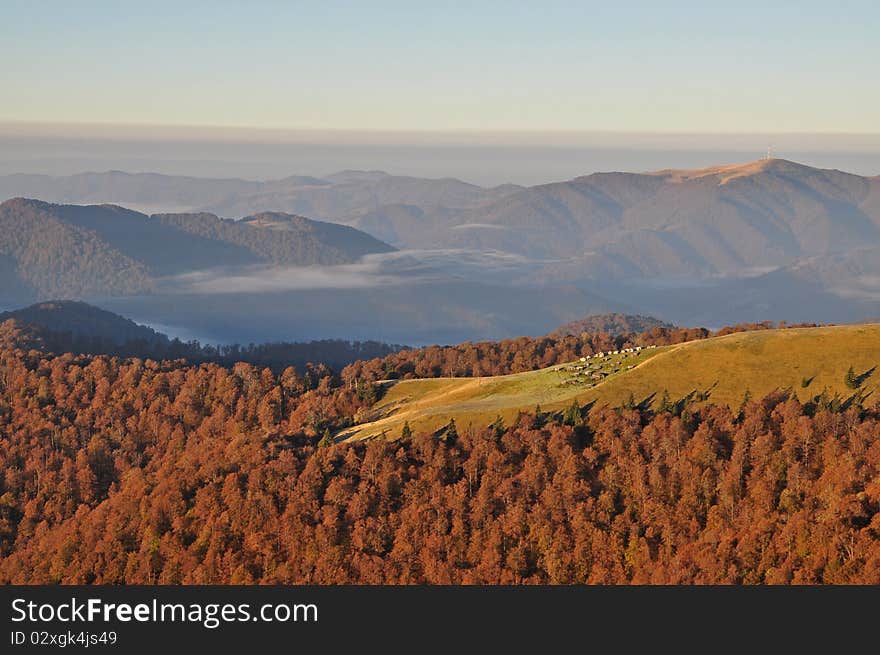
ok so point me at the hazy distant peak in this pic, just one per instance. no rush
(126, 175)
(350, 175)
(300, 180)
(152, 176)
(21, 202)
(113, 207)
(506, 188)
(624, 176)
(726, 173)
(33, 203)
(42, 204)
(274, 220)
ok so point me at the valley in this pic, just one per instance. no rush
(370, 255)
(766, 240)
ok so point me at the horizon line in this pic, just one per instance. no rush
(656, 171)
(144, 131)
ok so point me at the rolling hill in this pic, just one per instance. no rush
(73, 251)
(83, 320)
(612, 324)
(46, 256)
(808, 361)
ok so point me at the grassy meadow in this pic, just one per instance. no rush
(718, 370)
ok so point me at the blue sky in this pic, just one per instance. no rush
(649, 67)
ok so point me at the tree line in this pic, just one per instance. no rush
(474, 359)
(335, 353)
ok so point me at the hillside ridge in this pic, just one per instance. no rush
(721, 370)
(82, 251)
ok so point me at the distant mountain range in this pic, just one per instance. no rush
(343, 197)
(721, 220)
(724, 220)
(73, 251)
(770, 239)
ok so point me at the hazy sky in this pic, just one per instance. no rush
(737, 66)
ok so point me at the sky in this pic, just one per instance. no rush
(651, 67)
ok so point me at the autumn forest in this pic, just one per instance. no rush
(140, 471)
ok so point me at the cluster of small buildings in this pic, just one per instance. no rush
(602, 355)
(594, 371)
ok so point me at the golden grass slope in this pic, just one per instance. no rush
(724, 173)
(722, 368)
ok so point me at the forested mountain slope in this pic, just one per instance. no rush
(138, 472)
(105, 250)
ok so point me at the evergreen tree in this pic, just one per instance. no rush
(850, 379)
(665, 403)
(406, 433)
(741, 412)
(572, 415)
(327, 439)
(539, 417)
(451, 430)
(498, 426)
(368, 392)
(828, 403)
(630, 402)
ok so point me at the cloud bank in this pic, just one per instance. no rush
(372, 271)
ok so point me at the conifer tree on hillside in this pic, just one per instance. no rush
(665, 403)
(572, 415)
(850, 379)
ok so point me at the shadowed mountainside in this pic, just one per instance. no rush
(105, 250)
(720, 220)
(83, 320)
